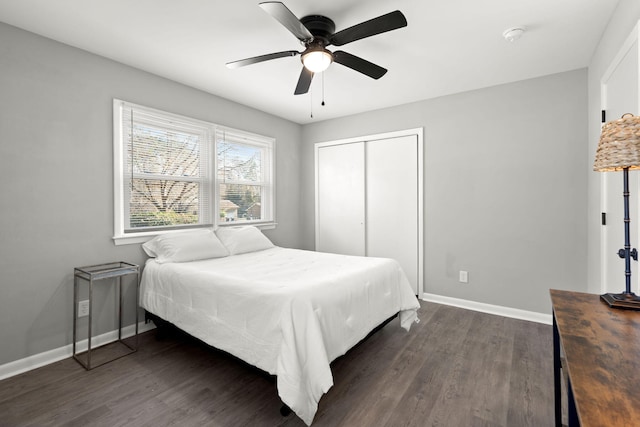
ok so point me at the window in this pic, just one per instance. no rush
(244, 177)
(165, 174)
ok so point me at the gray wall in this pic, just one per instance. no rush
(620, 26)
(505, 187)
(56, 177)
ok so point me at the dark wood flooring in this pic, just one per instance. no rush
(455, 368)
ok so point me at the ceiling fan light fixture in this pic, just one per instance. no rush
(317, 60)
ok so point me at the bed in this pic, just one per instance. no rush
(288, 312)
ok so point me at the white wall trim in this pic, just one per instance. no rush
(38, 360)
(514, 313)
(606, 258)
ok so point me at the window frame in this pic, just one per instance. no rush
(120, 176)
(171, 123)
(267, 185)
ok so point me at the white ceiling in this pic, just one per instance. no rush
(448, 46)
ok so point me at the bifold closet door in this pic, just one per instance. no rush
(368, 200)
(392, 211)
(340, 197)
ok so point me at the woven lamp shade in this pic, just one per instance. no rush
(619, 145)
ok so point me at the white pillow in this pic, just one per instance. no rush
(185, 246)
(243, 239)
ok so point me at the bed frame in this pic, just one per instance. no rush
(165, 329)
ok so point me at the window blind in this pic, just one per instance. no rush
(174, 172)
(167, 171)
(244, 173)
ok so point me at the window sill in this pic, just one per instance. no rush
(259, 225)
(136, 238)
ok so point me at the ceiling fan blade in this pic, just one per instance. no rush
(304, 82)
(358, 64)
(381, 24)
(261, 58)
(284, 16)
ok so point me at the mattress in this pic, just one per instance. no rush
(288, 312)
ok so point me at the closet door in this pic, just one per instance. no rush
(392, 202)
(340, 199)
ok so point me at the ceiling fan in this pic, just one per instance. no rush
(316, 32)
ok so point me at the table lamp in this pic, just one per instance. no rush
(619, 149)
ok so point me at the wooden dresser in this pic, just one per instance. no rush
(599, 349)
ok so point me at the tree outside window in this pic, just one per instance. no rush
(240, 178)
(166, 177)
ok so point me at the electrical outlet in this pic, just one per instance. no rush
(464, 276)
(83, 308)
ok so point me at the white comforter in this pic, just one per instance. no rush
(289, 312)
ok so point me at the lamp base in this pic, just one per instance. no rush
(627, 301)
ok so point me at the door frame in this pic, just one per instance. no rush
(419, 133)
(605, 177)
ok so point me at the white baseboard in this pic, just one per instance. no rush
(515, 313)
(37, 360)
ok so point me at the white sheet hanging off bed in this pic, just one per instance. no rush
(289, 312)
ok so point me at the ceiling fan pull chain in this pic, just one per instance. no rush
(311, 101)
(322, 90)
